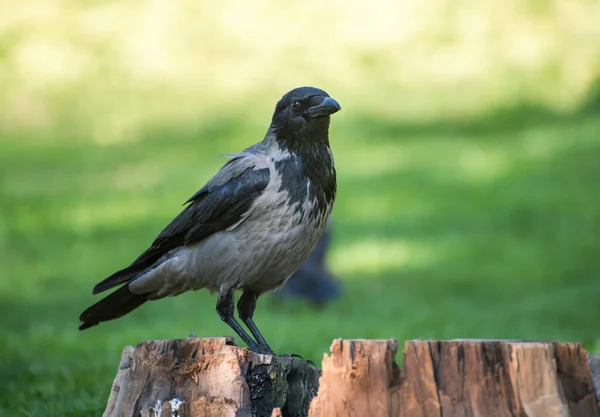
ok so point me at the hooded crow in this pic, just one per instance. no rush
(250, 227)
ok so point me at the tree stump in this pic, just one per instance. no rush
(208, 377)
(459, 378)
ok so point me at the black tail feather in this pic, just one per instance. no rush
(119, 277)
(111, 307)
(149, 259)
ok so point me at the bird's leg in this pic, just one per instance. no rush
(246, 306)
(225, 308)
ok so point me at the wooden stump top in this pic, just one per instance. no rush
(208, 377)
(456, 378)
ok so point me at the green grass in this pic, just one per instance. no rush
(483, 229)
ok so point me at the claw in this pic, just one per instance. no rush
(296, 356)
(291, 355)
(313, 363)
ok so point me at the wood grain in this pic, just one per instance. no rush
(208, 377)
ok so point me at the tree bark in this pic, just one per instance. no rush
(208, 377)
(459, 378)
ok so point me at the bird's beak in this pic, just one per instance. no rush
(327, 107)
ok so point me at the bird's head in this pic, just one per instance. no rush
(302, 116)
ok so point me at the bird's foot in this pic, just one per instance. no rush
(291, 355)
(298, 357)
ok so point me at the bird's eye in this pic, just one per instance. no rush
(296, 105)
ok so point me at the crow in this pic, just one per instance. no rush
(249, 228)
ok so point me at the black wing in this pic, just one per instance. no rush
(215, 207)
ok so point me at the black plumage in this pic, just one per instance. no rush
(213, 208)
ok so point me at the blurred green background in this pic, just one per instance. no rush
(468, 157)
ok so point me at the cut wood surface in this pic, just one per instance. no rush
(360, 378)
(458, 378)
(208, 377)
(470, 378)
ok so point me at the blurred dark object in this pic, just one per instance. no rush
(313, 281)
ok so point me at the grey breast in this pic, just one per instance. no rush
(292, 214)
